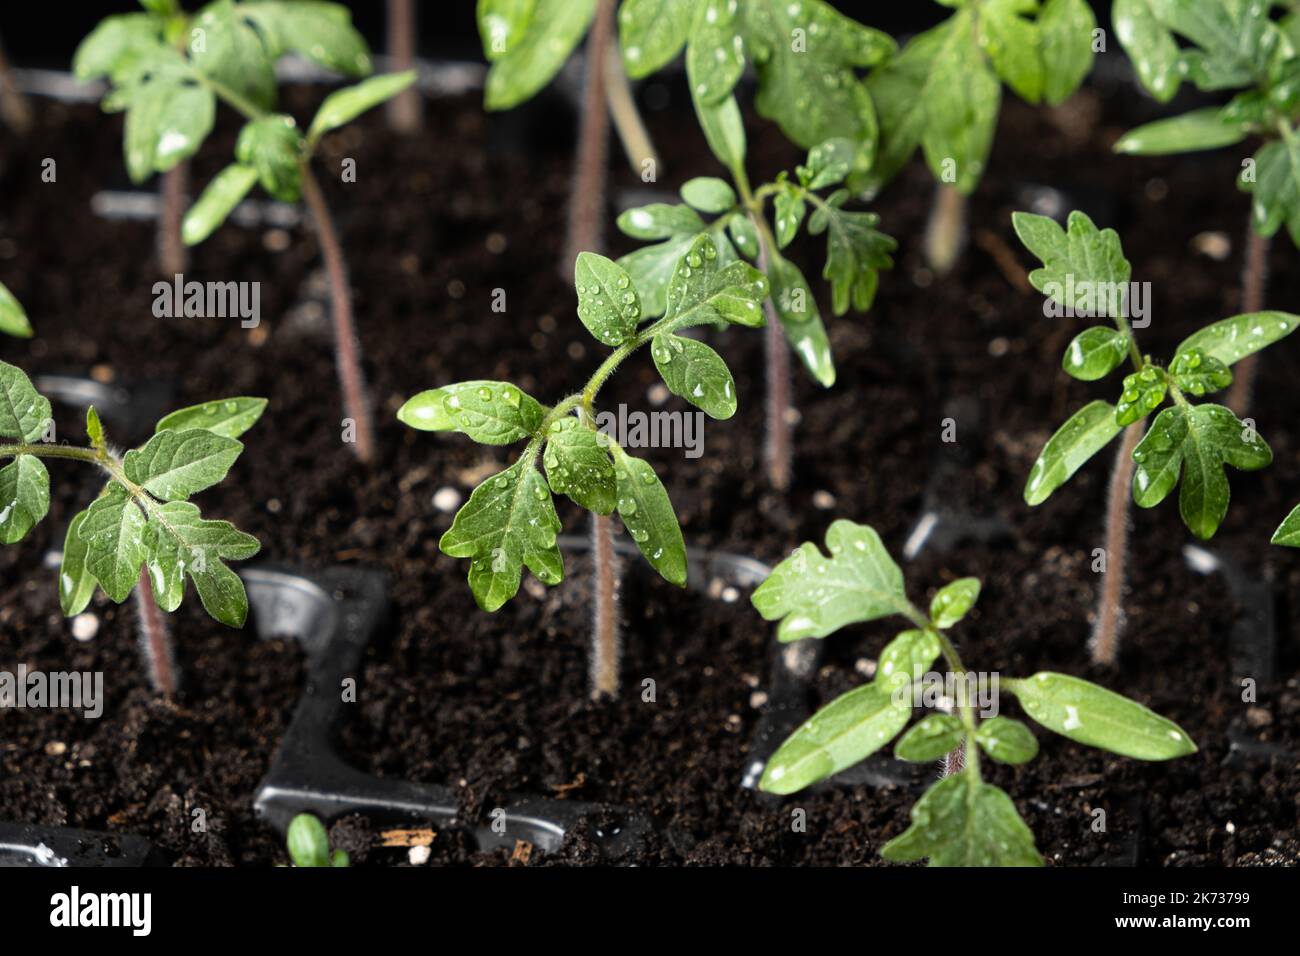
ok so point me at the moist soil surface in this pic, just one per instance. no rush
(496, 705)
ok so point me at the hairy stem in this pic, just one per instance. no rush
(945, 231)
(1110, 602)
(155, 641)
(779, 439)
(606, 642)
(587, 198)
(637, 146)
(404, 114)
(1254, 282)
(346, 349)
(172, 255)
(17, 111)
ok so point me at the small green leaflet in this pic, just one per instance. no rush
(649, 517)
(855, 252)
(13, 317)
(531, 61)
(577, 464)
(227, 48)
(800, 318)
(508, 521)
(1232, 339)
(116, 44)
(695, 372)
(347, 104)
(715, 56)
(493, 413)
(705, 290)
(24, 497)
(961, 821)
(180, 542)
(1198, 373)
(896, 89)
(1149, 44)
(113, 530)
(273, 146)
(1084, 259)
(1066, 28)
(321, 32)
(652, 32)
(954, 601)
(961, 99)
(1098, 717)
(724, 129)
(94, 428)
(1085, 433)
(1200, 440)
(307, 841)
(1195, 130)
(168, 116)
(502, 24)
(1275, 189)
(228, 417)
(176, 464)
(76, 583)
(652, 267)
(906, 658)
(1142, 394)
(930, 738)
(848, 729)
(1288, 532)
(1094, 353)
(608, 304)
(24, 412)
(1012, 43)
(219, 199)
(1006, 740)
(814, 596)
(709, 194)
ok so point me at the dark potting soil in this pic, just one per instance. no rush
(496, 705)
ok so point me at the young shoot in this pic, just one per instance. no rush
(962, 820)
(509, 521)
(943, 92)
(309, 843)
(142, 519)
(13, 317)
(1226, 46)
(169, 71)
(1187, 445)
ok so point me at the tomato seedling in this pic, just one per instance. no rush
(309, 843)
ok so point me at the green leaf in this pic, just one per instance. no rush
(806, 56)
(855, 252)
(178, 541)
(653, 267)
(1013, 45)
(492, 413)
(320, 32)
(577, 464)
(800, 318)
(695, 372)
(1198, 373)
(1142, 394)
(1194, 130)
(652, 32)
(13, 317)
(660, 221)
(551, 34)
(94, 428)
(508, 521)
(24, 497)
(1231, 340)
(954, 601)
(502, 24)
(930, 738)
(1288, 532)
(1085, 260)
(173, 464)
(113, 530)
(788, 210)
(347, 104)
(1006, 740)
(814, 596)
(961, 821)
(961, 99)
(1065, 29)
(24, 412)
(608, 304)
(704, 289)
(724, 129)
(649, 517)
(1275, 189)
(220, 198)
(116, 44)
(228, 417)
(1085, 433)
(226, 47)
(76, 583)
(309, 844)
(709, 194)
(167, 119)
(828, 164)
(906, 658)
(1098, 717)
(273, 146)
(896, 90)
(743, 235)
(715, 53)
(847, 730)
(1094, 353)
(1149, 44)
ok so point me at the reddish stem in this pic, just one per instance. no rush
(155, 642)
(606, 645)
(346, 349)
(172, 254)
(778, 447)
(1254, 281)
(587, 199)
(1110, 603)
(403, 109)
